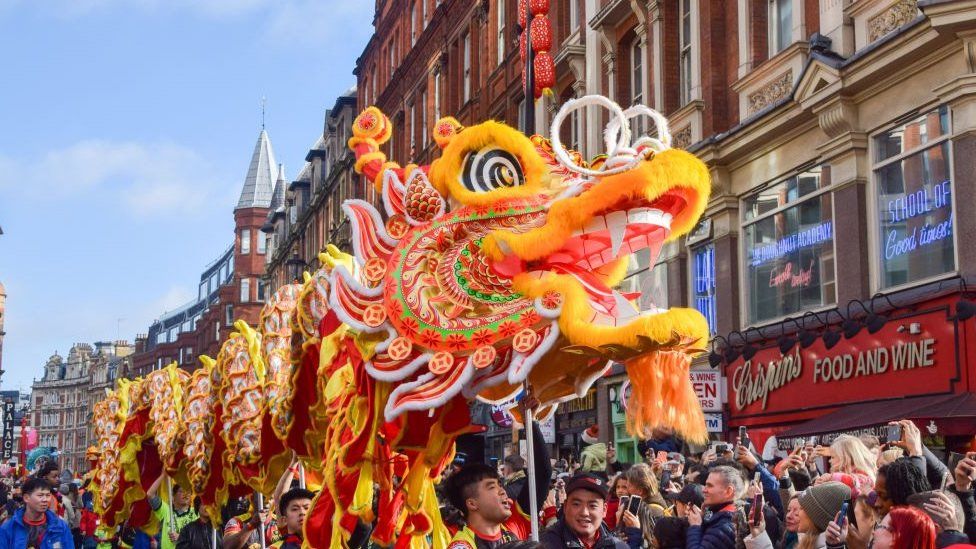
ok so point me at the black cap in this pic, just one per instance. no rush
(691, 494)
(588, 481)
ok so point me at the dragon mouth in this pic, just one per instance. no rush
(627, 228)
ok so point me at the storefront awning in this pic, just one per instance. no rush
(868, 414)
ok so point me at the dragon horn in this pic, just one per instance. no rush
(370, 130)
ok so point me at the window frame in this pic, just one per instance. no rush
(500, 32)
(692, 296)
(466, 67)
(745, 296)
(245, 290)
(874, 214)
(773, 31)
(245, 241)
(685, 52)
(637, 92)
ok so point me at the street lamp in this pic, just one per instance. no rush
(295, 266)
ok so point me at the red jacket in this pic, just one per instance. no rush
(89, 522)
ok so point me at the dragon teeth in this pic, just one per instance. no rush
(617, 224)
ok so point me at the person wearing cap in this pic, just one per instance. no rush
(714, 526)
(819, 506)
(492, 517)
(689, 496)
(581, 525)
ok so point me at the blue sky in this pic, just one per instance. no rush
(126, 127)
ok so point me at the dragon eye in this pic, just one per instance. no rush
(490, 169)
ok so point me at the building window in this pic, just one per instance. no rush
(423, 119)
(649, 281)
(245, 290)
(424, 10)
(216, 331)
(573, 16)
(686, 53)
(262, 289)
(500, 20)
(780, 25)
(245, 241)
(412, 129)
(914, 194)
(637, 84)
(788, 235)
(703, 284)
(262, 243)
(413, 24)
(392, 60)
(437, 96)
(228, 315)
(467, 67)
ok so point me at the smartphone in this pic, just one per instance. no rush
(894, 433)
(843, 515)
(722, 448)
(757, 507)
(954, 459)
(743, 436)
(633, 504)
(623, 502)
(757, 478)
(665, 480)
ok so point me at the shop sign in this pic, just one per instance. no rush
(548, 428)
(501, 416)
(708, 388)
(8, 429)
(714, 423)
(891, 363)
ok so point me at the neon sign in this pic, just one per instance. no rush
(818, 234)
(898, 241)
(796, 279)
(920, 202)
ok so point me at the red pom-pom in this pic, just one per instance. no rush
(538, 7)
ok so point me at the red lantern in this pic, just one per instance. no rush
(522, 12)
(539, 7)
(541, 34)
(545, 73)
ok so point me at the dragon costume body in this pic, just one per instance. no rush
(487, 272)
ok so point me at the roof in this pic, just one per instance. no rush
(278, 196)
(261, 175)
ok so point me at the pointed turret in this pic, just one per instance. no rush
(277, 200)
(261, 175)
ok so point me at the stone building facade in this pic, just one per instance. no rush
(306, 214)
(232, 287)
(63, 400)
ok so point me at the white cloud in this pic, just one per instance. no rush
(145, 179)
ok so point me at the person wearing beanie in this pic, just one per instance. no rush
(594, 455)
(818, 507)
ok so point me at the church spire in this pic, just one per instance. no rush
(261, 176)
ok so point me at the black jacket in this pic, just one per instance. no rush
(968, 511)
(197, 535)
(559, 536)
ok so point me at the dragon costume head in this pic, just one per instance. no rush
(495, 266)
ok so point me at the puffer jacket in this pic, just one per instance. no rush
(718, 531)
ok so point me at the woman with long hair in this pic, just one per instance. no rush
(904, 528)
(642, 482)
(852, 463)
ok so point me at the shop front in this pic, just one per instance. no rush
(571, 419)
(917, 364)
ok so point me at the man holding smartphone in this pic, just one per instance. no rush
(582, 522)
(716, 531)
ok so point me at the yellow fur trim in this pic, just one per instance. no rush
(378, 181)
(614, 272)
(444, 172)
(368, 158)
(445, 129)
(380, 129)
(661, 328)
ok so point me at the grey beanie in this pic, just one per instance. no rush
(822, 502)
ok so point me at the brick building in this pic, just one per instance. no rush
(852, 118)
(232, 287)
(306, 213)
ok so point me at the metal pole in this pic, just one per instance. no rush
(259, 503)
(172, 508)
(530, 450)
(301, 475)
(213, 537)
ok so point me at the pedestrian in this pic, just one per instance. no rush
(198, 534)
(594, 454)
(945, 510)
(35, 526)
(716, 529)
(670, 533)
(904, 528)
(642, 483)
(582, 522)
(819, 505)
(895, 482)
(513, 474)
(689, 496)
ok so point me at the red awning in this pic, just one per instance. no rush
(869, 414)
